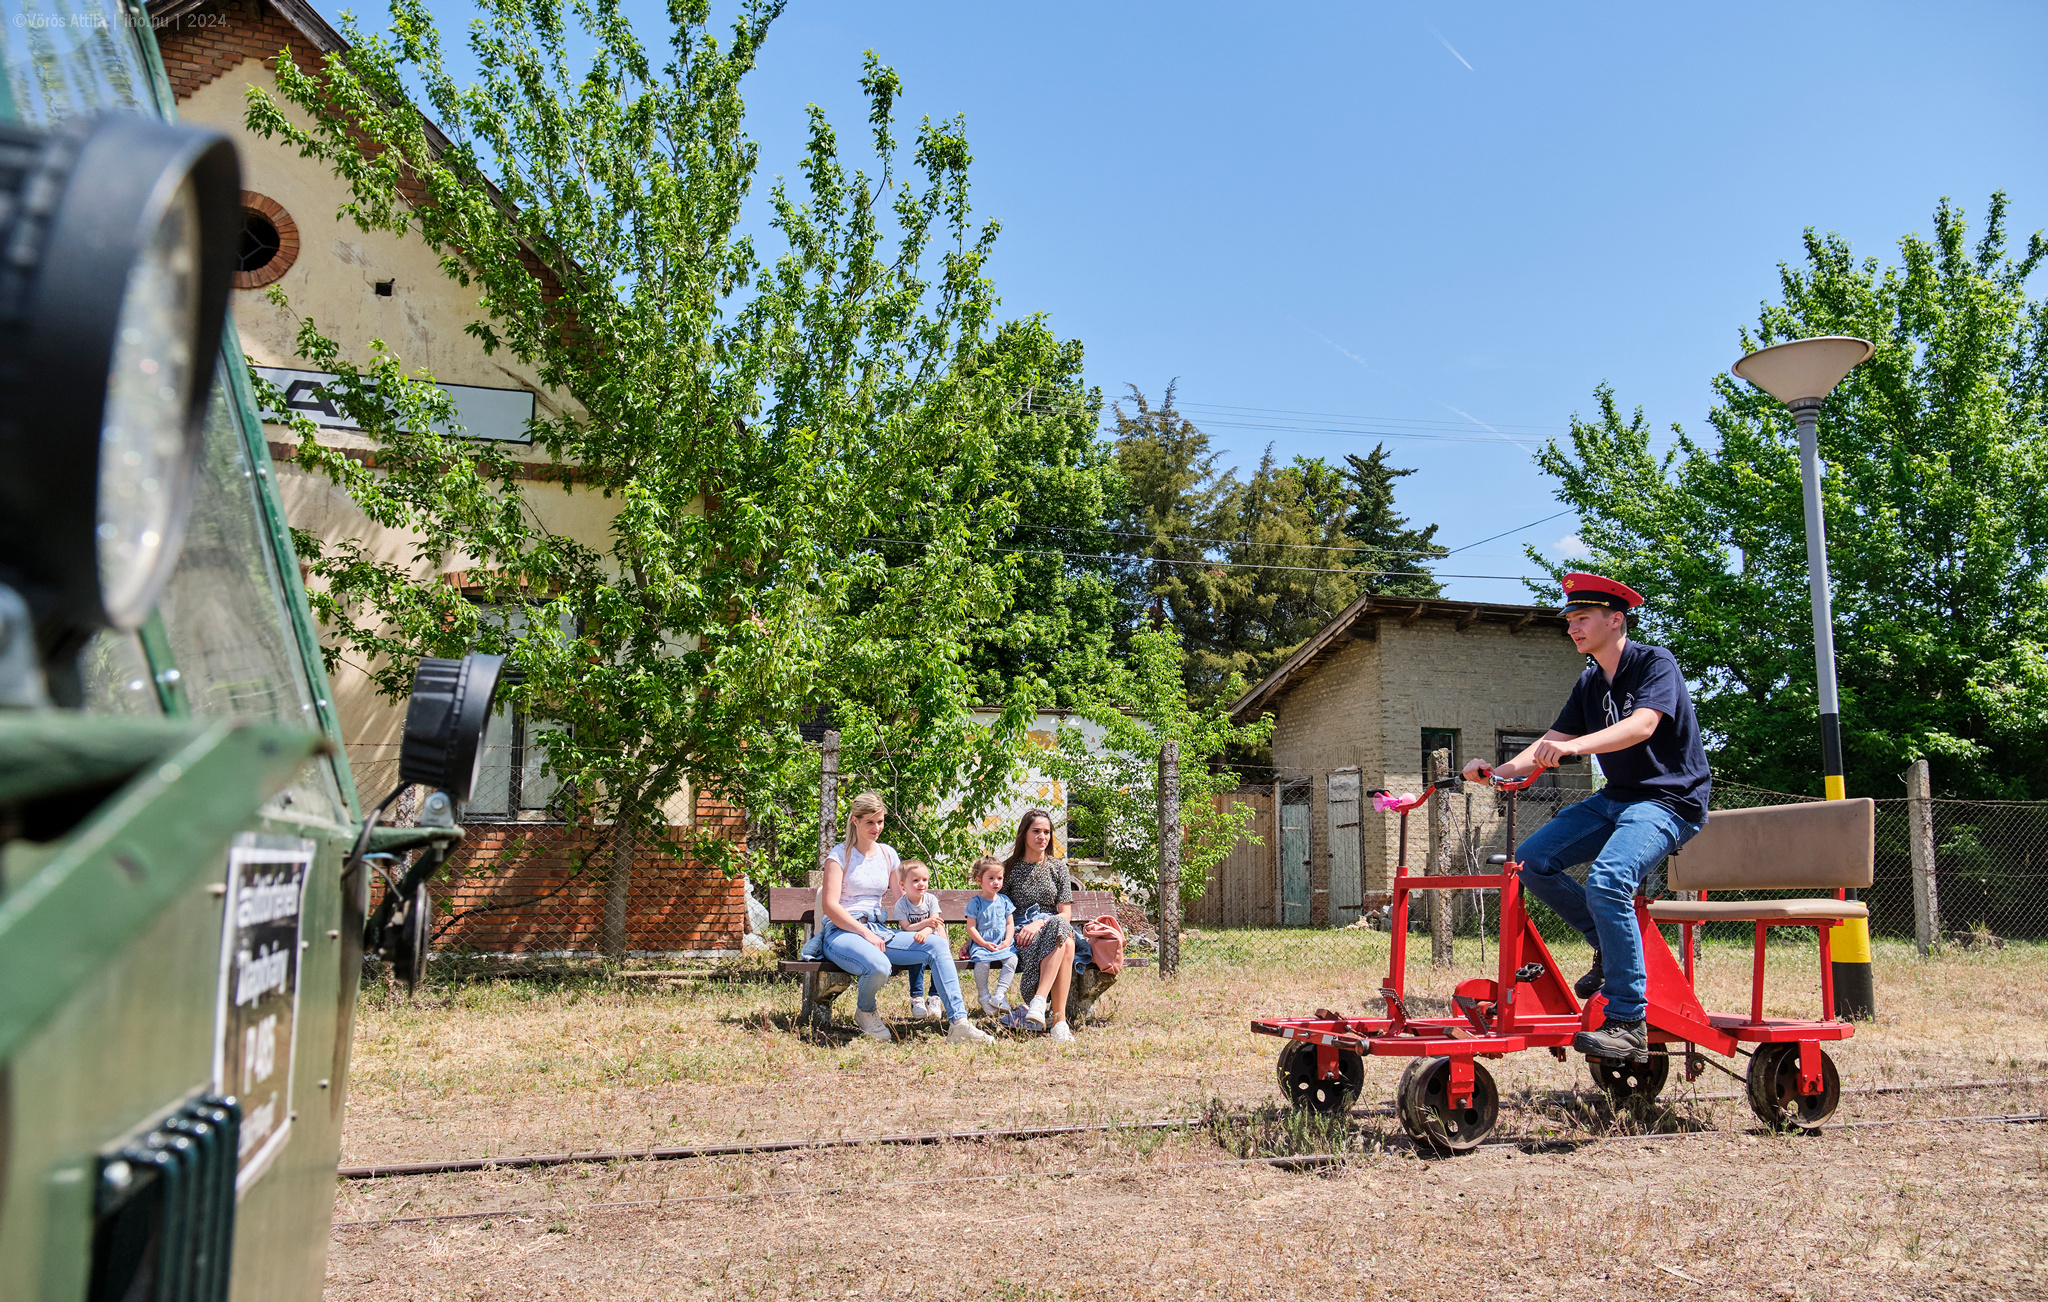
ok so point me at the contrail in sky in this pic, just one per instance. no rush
(1482, 424)
(1341, 348)
(1448, 46)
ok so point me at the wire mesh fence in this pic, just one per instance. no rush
(542, 889)
(1988, 861)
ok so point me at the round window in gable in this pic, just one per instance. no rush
(269, 242)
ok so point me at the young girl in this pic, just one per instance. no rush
(992, 934)
(917, 911)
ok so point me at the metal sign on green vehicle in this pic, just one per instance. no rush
(259, 991)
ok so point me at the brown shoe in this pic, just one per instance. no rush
(1616, 1041)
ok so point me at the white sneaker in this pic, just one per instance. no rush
(917, 1008)
(1060, 1033)
(1034, 1013)
(934, 1006)
(993, 1008)
(872, 1025)
(966, 1032)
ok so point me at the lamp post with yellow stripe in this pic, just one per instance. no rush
(1801, 374)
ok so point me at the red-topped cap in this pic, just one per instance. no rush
(1596, 591)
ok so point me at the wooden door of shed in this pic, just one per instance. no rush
(1241, 888)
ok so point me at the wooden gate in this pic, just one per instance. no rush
(1242, 888)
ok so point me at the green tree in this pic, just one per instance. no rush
(1113, 785)
(1288, 569)
(1173, 490)
(758, 424)
(1936, 503)
(1052, 465)
(1394, 555)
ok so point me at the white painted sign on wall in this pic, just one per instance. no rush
(500, 415)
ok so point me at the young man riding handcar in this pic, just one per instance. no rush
(1632, 709)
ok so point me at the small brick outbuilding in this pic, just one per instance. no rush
(1360, 704)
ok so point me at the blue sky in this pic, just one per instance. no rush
(1444, 223)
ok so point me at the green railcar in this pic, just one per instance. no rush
(184, 869)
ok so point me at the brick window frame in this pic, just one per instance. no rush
(287, 241)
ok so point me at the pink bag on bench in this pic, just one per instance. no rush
(1105, 936)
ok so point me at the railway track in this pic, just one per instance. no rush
(1299, 1162)
(388, 1170)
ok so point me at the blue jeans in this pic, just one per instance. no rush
(1622, 841)
(855, 953)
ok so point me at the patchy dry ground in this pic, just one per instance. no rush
(1581, 1207)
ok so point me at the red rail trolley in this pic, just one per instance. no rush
(1448, 1101)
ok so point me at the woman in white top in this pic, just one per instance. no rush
(857, 936)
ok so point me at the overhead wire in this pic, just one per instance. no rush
(1434, 552)
(1220, 565)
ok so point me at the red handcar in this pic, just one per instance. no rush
(1446, 1098)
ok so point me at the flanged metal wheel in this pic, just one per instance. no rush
(1428, 1115)
(1774, 1093)
(1633, 1086)
(1303, 1088)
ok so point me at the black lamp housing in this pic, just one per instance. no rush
(80, 210)
(444, 722)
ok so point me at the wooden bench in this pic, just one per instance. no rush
(1822, 845)
(824, 981)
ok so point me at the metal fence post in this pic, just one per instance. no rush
(1439, 864)
(1920, 841)
(1169, 858)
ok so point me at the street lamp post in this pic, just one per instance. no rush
(1801, 374)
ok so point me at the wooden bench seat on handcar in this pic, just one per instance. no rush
(1826, 845)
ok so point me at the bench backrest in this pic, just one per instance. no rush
(1818, 845)
(797, 903)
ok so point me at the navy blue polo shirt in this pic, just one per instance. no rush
(1669, 768)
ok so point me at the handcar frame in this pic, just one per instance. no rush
(1447, 1100)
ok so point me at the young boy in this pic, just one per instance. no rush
(917, 911)
(992, 935)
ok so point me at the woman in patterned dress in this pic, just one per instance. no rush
(1039, 886)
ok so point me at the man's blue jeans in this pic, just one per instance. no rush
(1622, 841)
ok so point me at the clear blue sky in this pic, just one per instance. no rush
(1446, 222)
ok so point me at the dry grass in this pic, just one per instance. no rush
(504, 1067)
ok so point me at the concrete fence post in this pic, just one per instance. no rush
(1920, 840)
(1439, 863)
(1169, 858)
(618, 885)
(828, 797)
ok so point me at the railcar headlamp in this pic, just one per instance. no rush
(117, 247)
(444, 722)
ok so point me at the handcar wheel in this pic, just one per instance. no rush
(1631, 1085)
(1302, 1088)
(1774, 1088)
(1427, 1114)
(415, 934)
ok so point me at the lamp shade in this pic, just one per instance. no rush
(1804, 368)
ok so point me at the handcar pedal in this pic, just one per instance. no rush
(1395, 1009)
(1473, 1013)
(1529, 972)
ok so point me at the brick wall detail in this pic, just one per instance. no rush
(1366, 704)
(201, 47)
(551, 897)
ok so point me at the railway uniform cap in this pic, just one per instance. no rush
(1584, 591)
